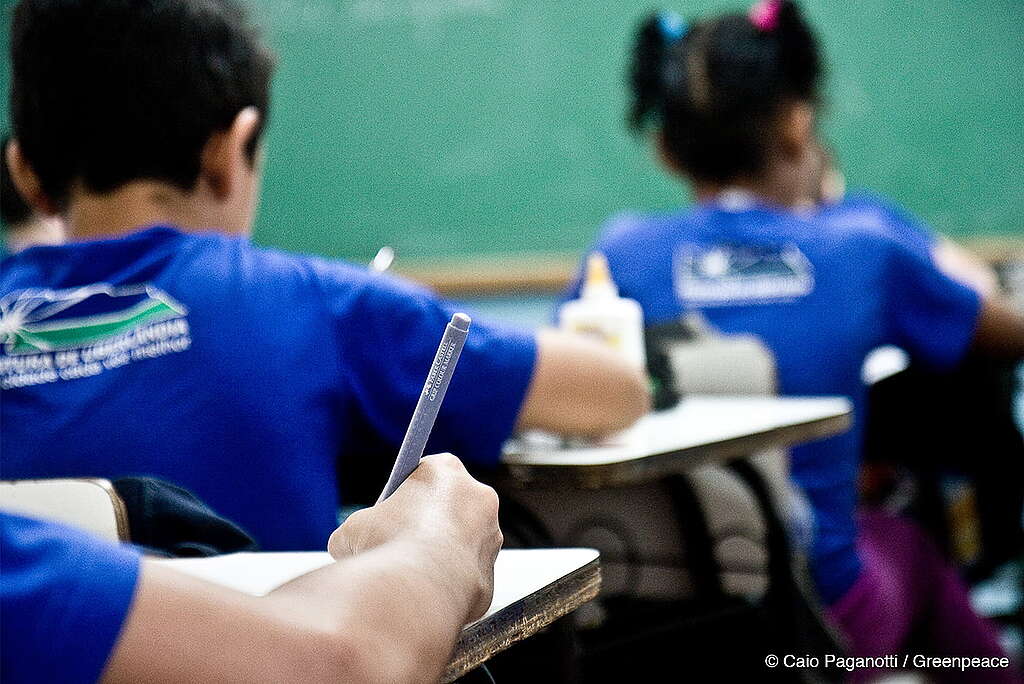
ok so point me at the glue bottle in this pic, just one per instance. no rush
(602, 314)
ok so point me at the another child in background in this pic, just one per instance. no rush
(732, 103)
(942, 422)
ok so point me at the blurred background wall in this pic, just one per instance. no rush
(453, 128)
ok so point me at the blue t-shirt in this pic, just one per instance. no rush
(63, 598)
(821, 290)
(243, 374)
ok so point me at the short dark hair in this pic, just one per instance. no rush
(716, 91)
(104, 92)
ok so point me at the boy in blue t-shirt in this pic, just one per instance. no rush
(159, 341)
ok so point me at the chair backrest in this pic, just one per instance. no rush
(709, 362)
(87, 503)
(644, 539)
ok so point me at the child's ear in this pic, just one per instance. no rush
(665, 157)
(26, 182)
(797, 128)
(224, 161)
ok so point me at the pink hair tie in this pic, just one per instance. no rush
(765, 15)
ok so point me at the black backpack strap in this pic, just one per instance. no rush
(698, 548)
(780, 568)
(801, 628)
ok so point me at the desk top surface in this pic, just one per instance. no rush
(699, 430)
(532, 588)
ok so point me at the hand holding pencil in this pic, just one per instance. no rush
(433, 500)
(448, 514)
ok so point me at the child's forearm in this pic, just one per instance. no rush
(581, 387)
(395, 609)
(387, 615)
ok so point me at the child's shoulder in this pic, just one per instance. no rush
(213, 254)
(646, 230)
(339, 284)
(867, 216)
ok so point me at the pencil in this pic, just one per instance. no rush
(423, 417)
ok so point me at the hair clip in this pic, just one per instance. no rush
(672, 26)
(765, 15)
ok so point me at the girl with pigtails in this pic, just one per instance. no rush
(731, 104)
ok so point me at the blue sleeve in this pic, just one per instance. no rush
(907, 229)
(930, 315)
(388, 330)
(894, 222)
(64, 598)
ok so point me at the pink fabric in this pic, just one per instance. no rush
(907, 589)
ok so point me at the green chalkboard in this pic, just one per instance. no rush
(480, 127)
(452, 127)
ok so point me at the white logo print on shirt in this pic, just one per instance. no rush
(50, 335)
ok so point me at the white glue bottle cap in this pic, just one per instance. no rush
(598, 281)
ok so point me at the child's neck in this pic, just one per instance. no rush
(135, 205)
(778, 185)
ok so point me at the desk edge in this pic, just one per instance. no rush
(534, 612)
(641, 470)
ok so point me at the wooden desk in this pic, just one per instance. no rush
(532, 588)
(698, 431)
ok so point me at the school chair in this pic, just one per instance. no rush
(90, 504)
(157, 516)
(699, 563)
